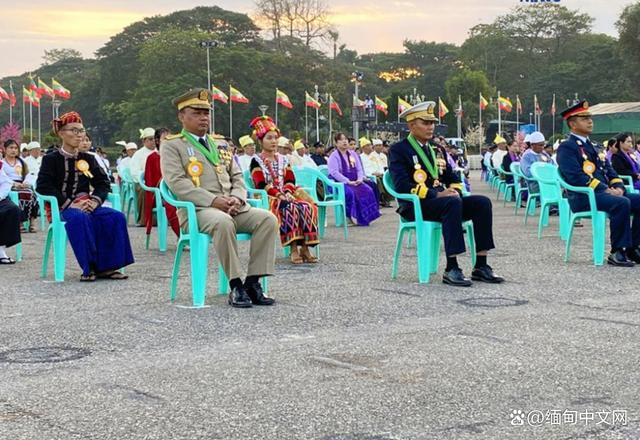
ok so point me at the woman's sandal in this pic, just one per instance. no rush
(32, 227)
(88, 278)
(297, 259)
(113, 275)
(309, 258)
(7, 260)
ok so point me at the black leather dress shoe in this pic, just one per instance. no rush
(486, 275)
(455, 277)
(619, 259)
(254, 291)
(238, 298)
(634, 255)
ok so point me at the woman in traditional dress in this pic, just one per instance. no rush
(98, 235)
(16, 168)
(9, 218)
(297, 214)
(345, 167)
(624, 159)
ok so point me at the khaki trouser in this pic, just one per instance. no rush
(140, 195)
(261, 224)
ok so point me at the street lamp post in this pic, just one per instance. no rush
(356, 77)
(208, 45)
(263, 108)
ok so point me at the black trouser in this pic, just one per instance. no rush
(9, 223)
(452, 211)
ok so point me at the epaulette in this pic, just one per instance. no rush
(173, 136)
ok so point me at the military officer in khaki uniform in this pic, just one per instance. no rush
(196, 171)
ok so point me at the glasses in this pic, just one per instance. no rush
(75, 131)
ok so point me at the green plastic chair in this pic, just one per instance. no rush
(598, 222)
(628, 184)
(13, 196)
(519, 188)
(161, 216)
(428, 236)
(255, 194)
(198, 252)
(57, 237)
(503, 187)
(308, 178)
(550, 194)
(129, 195)
(532, 199)
(494, 180)
(115, 189)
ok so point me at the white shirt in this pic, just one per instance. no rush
(138, 161)
(5, 184)
(245, 161)
(295, 160)
(496, 159)
(382, 160)
(102, 162)
(33, 163)
(124, 163)
(308, 162)
(371, 164)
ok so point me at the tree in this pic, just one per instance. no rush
(629, 42)
(55, 55)
(305, 19)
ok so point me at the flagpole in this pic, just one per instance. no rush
(459, 116)
(10, 106)
(306, 120)
(439, 111)
(230, 114)
(39, 132)
(213, 115)
(553, 115)
(499, 116)
(480, 116)
(276, 106)
(330, 124)
(517, 113)
(30, 120)
(24, 117)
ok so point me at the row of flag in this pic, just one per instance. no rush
(505, 104)
(35, 91)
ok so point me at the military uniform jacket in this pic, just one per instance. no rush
(572, 155)
(402, 161)
(227, 180)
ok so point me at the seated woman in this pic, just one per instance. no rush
(297, 214)
(513, 150)
(98, 235)
(17, 170)
(624, 158)
(345, 167)
(9, 218)
(152, 178)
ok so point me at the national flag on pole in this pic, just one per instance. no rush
(283, 99)
(32, 84)
(483, 102)
(12, 96)
(3, 93)
(402, 105)
(44, 89)
(59, 90)
(219, 95)
(459, 110)
(334, 106)
(442, 109)
(538, 110)
(505, 104)
(518, 105)
(309, 101)
(382, 106)
(357, 102)
(237, 96)
(553, 105)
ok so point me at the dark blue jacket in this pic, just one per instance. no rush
(570, 160)
(401, 168)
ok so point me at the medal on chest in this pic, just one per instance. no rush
(588, 167)
(195, 168)
(83, 166)
(420, 177)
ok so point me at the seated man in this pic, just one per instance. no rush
(197, 172)
(408, 161)
(534, 154)
(98, 235)
(582, 163)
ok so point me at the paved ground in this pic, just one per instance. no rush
(347, 354)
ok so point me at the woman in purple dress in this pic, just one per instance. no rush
(345, 167)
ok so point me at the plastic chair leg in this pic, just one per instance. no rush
(471, 242)
(598, 225)
(47, 249)
(567, 246)
(199, 255)
(19, 252)
(435, 239)
(59, 253)
(176, 269)
(322, 216)
(563, 218)
(422, 250)
(163, 226)
(396, 252)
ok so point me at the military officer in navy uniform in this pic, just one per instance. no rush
(420, 167)
(582, 162)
